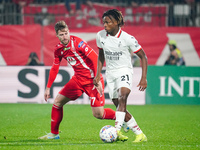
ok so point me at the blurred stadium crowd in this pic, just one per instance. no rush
(46, 12)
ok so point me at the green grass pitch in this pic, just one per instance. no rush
(168, 127)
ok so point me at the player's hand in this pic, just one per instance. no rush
(47, 94)
(98, 86)
(142, 84)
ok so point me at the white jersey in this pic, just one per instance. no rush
(117, 49)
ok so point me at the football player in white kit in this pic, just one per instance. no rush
(115, 47)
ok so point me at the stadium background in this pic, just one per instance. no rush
(153, 23)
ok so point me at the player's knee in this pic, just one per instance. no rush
(58, 102)
(98, 115)
(123, 98)
(61, 100)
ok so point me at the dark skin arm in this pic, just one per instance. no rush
(143, 81)
(100, 64)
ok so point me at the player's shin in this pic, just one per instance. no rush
(132, 124)
(119, 119)
(56, 118)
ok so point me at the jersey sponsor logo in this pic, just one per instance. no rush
(113, 55)
(71, 61)
(80, 44)
(66, 48)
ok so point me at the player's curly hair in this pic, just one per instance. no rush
(116, 14)
(60, 25)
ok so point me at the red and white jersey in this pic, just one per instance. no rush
(79, 55)
(117, 49)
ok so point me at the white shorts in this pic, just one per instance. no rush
(117, 79)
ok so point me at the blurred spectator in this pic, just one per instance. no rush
(71, 11)
(19, 4)
(133, 3)
(47, 2)
(33, 60)
(171, 19)
(89, 3)
(11, 11)
(175, 57)
(91, 13)
(44, 18)
(6, 8)
(193, 11)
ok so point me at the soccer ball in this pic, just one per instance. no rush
(108, 134)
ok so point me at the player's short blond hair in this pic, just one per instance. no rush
(60, 25)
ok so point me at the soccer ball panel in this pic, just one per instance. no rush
(108, 134)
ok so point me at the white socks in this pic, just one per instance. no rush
(132, 124)
(119, 119)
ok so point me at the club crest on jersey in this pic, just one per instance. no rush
(80, 44)
(102, 43)
(119, 43)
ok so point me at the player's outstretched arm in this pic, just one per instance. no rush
(100, 63)
(47, 94)
(52, 75)
(143, 81)
(96, 80)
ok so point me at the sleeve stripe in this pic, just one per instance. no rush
(138, 50)
(100, 48)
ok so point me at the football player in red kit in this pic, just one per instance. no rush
(83, 59)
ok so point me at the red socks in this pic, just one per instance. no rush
(56, 118)
(57, 115)
(109, 114)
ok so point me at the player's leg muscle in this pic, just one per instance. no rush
(61, 100)
(98, 112)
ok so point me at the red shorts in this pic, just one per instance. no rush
(75, 88)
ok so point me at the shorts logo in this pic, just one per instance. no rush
(80, 44)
